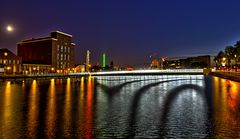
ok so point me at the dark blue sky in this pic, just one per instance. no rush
(129, 32)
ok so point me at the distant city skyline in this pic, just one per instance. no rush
(128, 32)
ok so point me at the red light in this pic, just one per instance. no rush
(129, 68)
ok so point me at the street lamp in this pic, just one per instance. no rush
(224, 61)
(236, 59)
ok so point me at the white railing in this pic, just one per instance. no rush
(140, 72)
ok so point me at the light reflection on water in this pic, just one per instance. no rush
(226, 105)
(51, 109)
(108, 107)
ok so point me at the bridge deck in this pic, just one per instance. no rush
(109, 73)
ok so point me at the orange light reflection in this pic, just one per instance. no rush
(89, 113)
(67, 108)
(51, 109)
(33, 110)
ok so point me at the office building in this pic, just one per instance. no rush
(52, 53)
(203, 61)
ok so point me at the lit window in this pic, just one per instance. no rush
(61, 56)
(17, 61)
(0, 61)
(13, 61)
(4, 61)
(68, 57)
(61, 48)
(68, 49)
(10, 62)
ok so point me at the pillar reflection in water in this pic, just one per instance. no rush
(51, 109)
(226, 112)
(33, 111)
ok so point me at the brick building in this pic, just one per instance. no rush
(9, 62)
(54, 53)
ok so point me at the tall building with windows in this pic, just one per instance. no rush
(56, 52)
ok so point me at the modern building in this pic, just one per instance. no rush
(196, 62)
(172, 64)
(9, 62)
(203, 61)
(52, 53)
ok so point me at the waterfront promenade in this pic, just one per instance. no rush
(231, 75)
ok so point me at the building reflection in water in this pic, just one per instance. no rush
(80, 125)
(67, 108)
(89, 112)
(33, 111)
(226, 103)
(7, 108)
(51, 109)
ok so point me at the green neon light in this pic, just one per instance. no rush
(104, 60)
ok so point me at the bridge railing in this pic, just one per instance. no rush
(139, 72)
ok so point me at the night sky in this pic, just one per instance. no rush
(128, 31)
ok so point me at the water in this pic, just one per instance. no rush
(120, 107)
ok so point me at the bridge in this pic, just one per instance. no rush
(109, 73)
(142, 72)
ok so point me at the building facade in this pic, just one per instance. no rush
(196, 62)
(55, 52)
(203, 61)
(9, 62)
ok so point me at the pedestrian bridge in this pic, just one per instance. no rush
(142, 72)
(109, 73)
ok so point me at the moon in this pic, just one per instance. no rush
(9, 28)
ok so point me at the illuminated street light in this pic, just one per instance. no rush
(224, 61)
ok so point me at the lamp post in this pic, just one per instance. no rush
(223, 62)
(235, 57)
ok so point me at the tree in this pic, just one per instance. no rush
(229, 53)
(237, 53)
(218, 59)
(237, 50)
